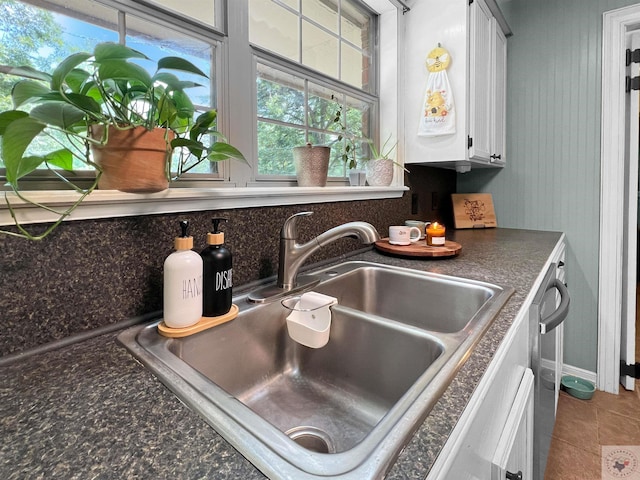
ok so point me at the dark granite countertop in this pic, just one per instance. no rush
(89, 410)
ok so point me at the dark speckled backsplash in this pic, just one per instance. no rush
(92, 273)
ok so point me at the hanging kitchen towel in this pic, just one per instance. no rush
(438, 113)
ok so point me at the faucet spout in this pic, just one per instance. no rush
(363, 231)
(294, 254)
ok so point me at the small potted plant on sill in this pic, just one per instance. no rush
(349, 150)
(379, 168)
(97, 108)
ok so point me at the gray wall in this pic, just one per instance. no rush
(552, 179)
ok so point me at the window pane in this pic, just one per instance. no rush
(204, 12)
(43, 41)
(322, 12)
(324, 32)
(282, 125)
(280, 96)
(156, 43)
(322, 108)
(275, 28)
(355, 67)
(275, 148)
(319, 49)
(355, 24)
(292, 3)
(78, 25)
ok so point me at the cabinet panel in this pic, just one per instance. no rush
(514, 453)
(480, 78)
(472, 455)
(428, 23)
(499, 110)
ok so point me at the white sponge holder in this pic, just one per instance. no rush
(309, 322)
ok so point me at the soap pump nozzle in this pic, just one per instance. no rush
(184, 241)
(216, 237)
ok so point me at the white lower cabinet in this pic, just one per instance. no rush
(513, 459)
(493, 439)
(471, 449)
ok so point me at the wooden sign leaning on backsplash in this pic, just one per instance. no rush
(473, 210)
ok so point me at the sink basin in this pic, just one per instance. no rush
(432, 302)
(345, 410)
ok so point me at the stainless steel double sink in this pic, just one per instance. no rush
(398, 336)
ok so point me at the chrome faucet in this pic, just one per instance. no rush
(293, 254)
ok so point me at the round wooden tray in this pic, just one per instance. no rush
(419, 249)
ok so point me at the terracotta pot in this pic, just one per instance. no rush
(133, 160)
(379, 172)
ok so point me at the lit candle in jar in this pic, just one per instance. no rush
(435, 234)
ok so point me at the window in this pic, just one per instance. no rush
(322, 67)
(293, 111)
(280, 70)
(54, 29)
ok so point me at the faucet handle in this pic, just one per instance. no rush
(290, 227)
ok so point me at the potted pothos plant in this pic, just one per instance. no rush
(93, 110)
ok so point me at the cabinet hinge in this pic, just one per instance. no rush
(632, 371)
(631, 84)
(469, 142)
(632, 56)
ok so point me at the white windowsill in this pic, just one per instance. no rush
(112, 203)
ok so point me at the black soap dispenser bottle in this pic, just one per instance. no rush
(217, 274)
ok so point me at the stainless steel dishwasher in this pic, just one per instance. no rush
(549, 309)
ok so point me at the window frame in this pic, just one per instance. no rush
(284, 65)
(237, 187)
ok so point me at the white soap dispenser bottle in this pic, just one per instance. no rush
(183, 283)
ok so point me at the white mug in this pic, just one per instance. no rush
(403, 235)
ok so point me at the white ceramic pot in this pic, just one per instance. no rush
(379, 172)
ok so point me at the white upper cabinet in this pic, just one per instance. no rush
(476, 77)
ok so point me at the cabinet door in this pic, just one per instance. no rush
(470, 450)
(514, 454)
(480, 77)
(499, 93)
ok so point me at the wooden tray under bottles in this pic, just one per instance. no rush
(203, 324)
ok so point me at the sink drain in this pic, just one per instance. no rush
(311, 438)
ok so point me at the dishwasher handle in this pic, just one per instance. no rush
(554, 319)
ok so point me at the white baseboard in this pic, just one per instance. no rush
(580, 373)
(570, 370)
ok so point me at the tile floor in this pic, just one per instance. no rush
(582, 426)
